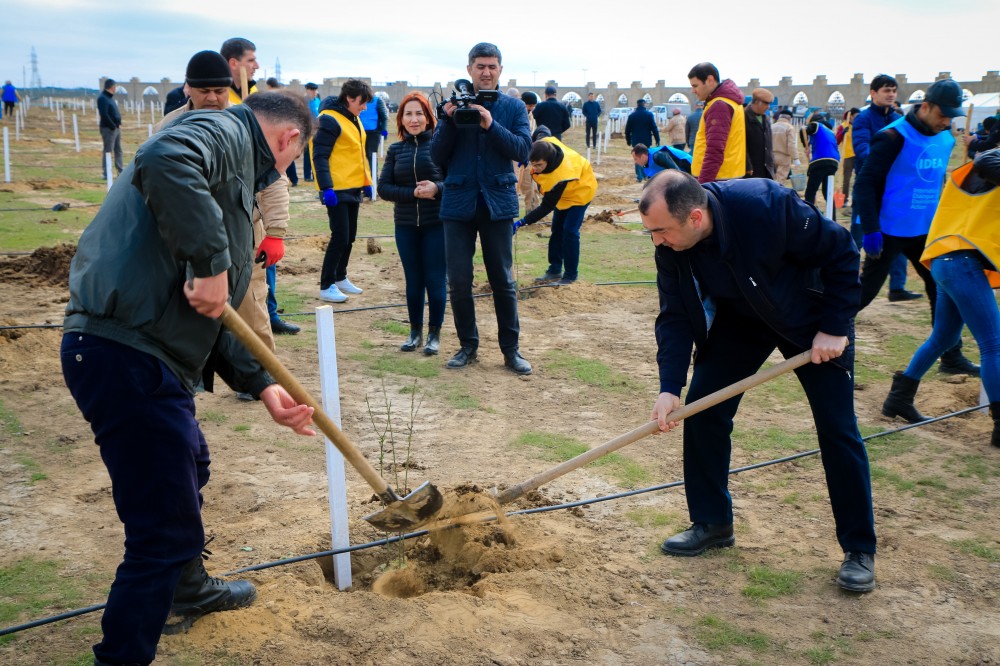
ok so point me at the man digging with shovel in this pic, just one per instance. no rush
(171, 243)
(745, 267)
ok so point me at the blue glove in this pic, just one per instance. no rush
(518, 224)
(385, 133)
(367, 191)
(873, 244)
(329, 197)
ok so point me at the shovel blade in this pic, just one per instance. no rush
(409, 512)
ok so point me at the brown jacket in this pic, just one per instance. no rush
(786, 149)
(677, 130)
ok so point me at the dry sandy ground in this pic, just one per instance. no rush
(584, 586)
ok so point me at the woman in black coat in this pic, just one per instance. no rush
(412, 180)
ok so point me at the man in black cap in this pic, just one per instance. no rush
(896, 195)
(552, 114)
(206, 85)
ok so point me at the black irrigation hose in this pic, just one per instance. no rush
(523, 512)
(22, 210)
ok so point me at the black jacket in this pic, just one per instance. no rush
(107, 109)
(796, 269)
(327, 132)
(641, 128)
(407, 162)
(553, 115)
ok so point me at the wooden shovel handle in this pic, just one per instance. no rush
(651, 427)
(231, 320)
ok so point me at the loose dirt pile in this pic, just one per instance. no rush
(47, 266)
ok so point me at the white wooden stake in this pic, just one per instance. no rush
(150, 126)
(17, 127)
(374, 171)
(76, 133)
(336, 483)
(62, 123)
(829, 200)
(381, 146)
(6, 157)
(107, 170)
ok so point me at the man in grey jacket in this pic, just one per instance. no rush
(171, 244)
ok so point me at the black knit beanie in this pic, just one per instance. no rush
(208, 69)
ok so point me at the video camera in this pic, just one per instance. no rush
(462, 96)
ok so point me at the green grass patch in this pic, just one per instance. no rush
(977, 466)
(772, 439)
(460, 398)
(590, 371)
(942, 572)
(890, 446)
(9, 421)
(391, 326)
(885, 476)
(767, 583)
(241, 427)
(717, 634)
(820, 655)
(211, 416)
(977, 548)
(32, 587)
(559, 448)
(649, 517)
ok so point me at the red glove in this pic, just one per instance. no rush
(272, 249)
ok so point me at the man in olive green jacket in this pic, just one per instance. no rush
(171, 243)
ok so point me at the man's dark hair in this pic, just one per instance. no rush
(640, 149)
(272, 83)
(236, 47)
(282, 106)
(109, 84)
(702, 70)
(988, 123)
(542, 150)
(682, 192)
(883, 81)
(485, 50)
(355, 88)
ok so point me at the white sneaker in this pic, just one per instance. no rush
(332, 294)
(348, 288)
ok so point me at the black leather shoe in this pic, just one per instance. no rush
(462, 358)
(548, 277)
(857, 573)
(282, 327)
(698, 538)
(516, 362)
(953, 362)
(566, 281)
(897, 295)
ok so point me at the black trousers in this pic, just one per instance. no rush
(343, 232)
(817, 175)
(737, 347)
(875, 271)
(591, 130)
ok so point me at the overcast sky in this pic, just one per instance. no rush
(78, 41)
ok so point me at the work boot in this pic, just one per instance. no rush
(698, 538)
(415, 340)
(897, 295)
(954, 363)
(282, 327)
(548, 277)
(463, 357)
(995, 413)
(198, 594)
(857, 573)
(433, 340)
(515, 362)
(899, 402)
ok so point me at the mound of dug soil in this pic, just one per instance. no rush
(45, 266)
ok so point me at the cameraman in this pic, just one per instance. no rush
(480, 197)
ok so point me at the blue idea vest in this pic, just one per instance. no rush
(369, 117)
(652, 168)
(914, 183)
(824, 144)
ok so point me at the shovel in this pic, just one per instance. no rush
(515, 492)
(401, 514)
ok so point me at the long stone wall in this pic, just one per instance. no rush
(818, 93)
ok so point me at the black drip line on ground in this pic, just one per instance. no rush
(25, 210)
(523, 512)
(369, 307)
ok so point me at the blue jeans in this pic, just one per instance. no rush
(736, 348)
(964, 297)
(271, 276)
(421, 249)
(564, 243)
(496, 238)
(143, 420)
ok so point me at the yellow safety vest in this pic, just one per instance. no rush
(848, 141)
(348, 163)
(581, 183)
(734, 159)
(234, 97)
(965, 221)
